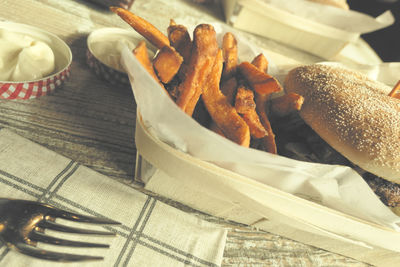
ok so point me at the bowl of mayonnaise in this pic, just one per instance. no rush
(33, 62)
(104, 52)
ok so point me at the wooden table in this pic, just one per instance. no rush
(93, 122)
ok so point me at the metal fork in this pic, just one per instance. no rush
(22, 226)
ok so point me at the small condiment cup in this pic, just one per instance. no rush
(36, 88)
(105, 63)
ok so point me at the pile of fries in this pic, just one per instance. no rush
(207, 81)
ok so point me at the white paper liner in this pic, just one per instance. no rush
(337, 187)
(346, 20)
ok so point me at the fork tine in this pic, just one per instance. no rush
(67, 229)
(54, 256)
(72, 216)
(39, 237)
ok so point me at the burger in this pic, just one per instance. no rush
(348, 119)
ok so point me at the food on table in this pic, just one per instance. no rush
(167, 63)
(266, 143)
(353, 114)
(259, 81)
(229, 89)
(24, 58)
(143, 27)
(244, 101)
(179, 38)
(261, 62)
(204, 51)
(223, 114)
(230, 54)
(284, 105)
(246, 106)
(356, 117)
(208, 83)
(142, 56)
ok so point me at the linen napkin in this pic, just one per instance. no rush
(151, 233)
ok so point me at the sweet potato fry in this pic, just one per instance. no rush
(395, 91)
(252, 119)
(205, 48)
(223, 114)
(244, 101)
(268, 141)
(143, 27)
(261, 62)
(258, 80)
(167, 63)
(245, 105)
(179, 38)
(229, 51)
(283, 105)
(229, 88)
(142, 56)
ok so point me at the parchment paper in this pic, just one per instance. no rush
(347, 20)
(337, 187)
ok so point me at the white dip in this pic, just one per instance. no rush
(23, 58)
(109, 50)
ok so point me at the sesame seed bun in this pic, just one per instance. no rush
(353, 114)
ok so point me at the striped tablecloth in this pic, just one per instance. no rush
(151, 233)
